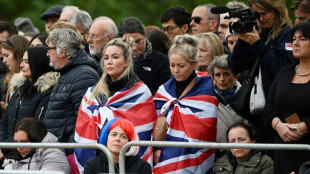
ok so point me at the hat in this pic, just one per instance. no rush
(25, 25)
(130, 25)
(53, 11)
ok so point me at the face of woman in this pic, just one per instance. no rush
(301, 46)
(267, 18)
(231, 42)
(8, 59)
(204, 55)
(180, 68)
(36, 42)
(239, 135)
(117, 138)
(22, 137)
(224, 79)
(114, 61)
(140, 43)
(24, 66)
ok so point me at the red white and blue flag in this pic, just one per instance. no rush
(193, 118)
(135, 104)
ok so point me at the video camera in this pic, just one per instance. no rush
(247, 18)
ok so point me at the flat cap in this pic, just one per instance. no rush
(53, 11)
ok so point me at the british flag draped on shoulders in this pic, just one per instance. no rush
(192, 118)
(135, 104)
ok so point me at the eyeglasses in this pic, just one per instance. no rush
(92, 36)
(139, 41)
(50, 48)
(197, 19)
(169, 29)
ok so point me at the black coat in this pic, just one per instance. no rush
(62, 110)
(153, 70)
(21, 106)
(133, 164)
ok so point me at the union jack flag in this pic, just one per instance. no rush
(135, 104)
(193, 118)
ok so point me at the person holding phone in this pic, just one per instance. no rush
(287, 110)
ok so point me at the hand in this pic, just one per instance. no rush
(156, 156)
(288, 132)
(250, 38)
(1, 156)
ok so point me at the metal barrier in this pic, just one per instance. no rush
(205, 145)
(66, 146)
(30, 171)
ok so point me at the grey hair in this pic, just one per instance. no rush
(111, 28)
(211, 15)
(236, 4)
(72, 8)
(65, 39)
(81, 17)
(219, 62)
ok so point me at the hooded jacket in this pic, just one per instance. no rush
(22, 105)
(65, 99)
(50, 159)
(258, 163)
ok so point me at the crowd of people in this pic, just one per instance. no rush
(91, 81)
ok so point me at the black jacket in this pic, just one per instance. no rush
(133, 164)
(22, 106)
(75, 77)
(153, 70)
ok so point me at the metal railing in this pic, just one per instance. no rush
(66, 146)
(206, 145)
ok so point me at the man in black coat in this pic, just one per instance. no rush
(77, 73)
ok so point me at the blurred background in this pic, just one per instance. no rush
(148, 11)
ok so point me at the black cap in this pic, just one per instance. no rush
(53, 11)
(130, 25)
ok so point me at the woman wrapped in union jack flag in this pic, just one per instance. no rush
(119, 93)
(189, 104)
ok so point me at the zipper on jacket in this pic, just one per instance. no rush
(39, 118)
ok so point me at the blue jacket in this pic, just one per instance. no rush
(75, 77)
(273, 57)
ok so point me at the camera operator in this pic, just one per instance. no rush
(275, 26)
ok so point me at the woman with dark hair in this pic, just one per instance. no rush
(271, 45)
(31, 89)
(115, 135)
(287, 110)
(13, 50)
(51, 159)
(39, 39)
(159, 40)
(242, 160)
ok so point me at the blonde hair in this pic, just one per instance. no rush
(278, 6)
(102, 88)
(185, 46)
(211, 41)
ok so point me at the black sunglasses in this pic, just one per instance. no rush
(197, 19)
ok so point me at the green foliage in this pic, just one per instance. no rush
(148, 11)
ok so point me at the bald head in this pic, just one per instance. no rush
(100, 33)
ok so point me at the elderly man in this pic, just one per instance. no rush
(301, 8)
(101, 32)
(175, 21)
(149, 65)
(51, 16)
(203, 20)
(77, 73)
(67, 12)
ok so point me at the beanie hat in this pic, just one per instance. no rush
(130, 25)
(25, 25)
(53, 11)
(103, 139)
(228, 33)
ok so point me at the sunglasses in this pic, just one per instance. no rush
(197, 19)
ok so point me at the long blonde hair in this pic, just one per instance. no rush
(102, 87)
(278, 6)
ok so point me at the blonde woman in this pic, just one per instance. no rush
(209, 45)
(119, 93)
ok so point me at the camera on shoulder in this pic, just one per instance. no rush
(247, 18)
